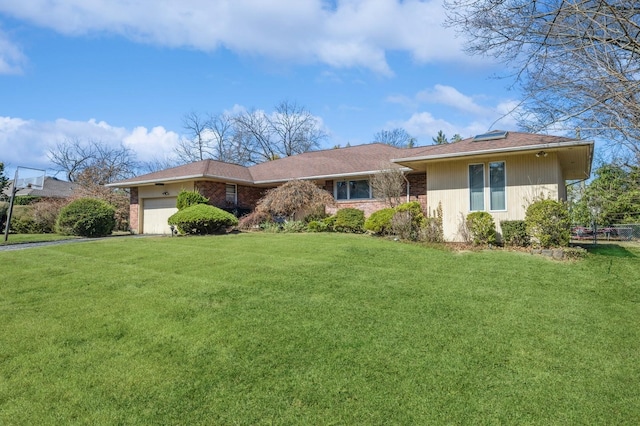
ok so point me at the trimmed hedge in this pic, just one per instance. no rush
(87, 217)
(190, 198)
(514, 233)
(202, 219)
(380, 221)
(349, 220)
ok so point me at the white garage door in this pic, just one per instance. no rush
(155, 215)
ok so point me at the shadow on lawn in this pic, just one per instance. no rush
(608, 250)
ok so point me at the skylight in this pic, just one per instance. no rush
(492, 135)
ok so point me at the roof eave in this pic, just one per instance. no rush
(494, 151)
(174, 179)
(331, 176)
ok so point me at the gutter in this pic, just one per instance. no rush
(491, 151)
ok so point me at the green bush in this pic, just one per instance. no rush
(202, 219)
(514, 233)
(481, 227)
(25, 200)
(317, 226)
(415, 209)
(380, 221)
(294, 226)
(349, 220)
(548, 222)
(330, 222)
(87, 217)
(4, 209)
(23, 221)
(190, 198)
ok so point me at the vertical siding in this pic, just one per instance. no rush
(527, 177)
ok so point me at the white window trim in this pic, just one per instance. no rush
(486, 186)
(335, 190)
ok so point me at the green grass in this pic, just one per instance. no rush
(33, 238)
(316, 329)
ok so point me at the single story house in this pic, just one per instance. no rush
(499, 172)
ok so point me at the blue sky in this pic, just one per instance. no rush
(128, 72)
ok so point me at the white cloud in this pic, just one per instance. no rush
(353, 33)
(12, 59)
(475, 118)
(27, 142)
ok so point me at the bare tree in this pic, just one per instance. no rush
(93, 161)
(398, 137)
(289, 130)
(388, 184)
(577, 61)
(197, 144)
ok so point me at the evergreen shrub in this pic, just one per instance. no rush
(349, 220)
(380, 221)
(481, 227)
(548, 223)
(202, 219)
(87, 217)
(514, 233)
(190, 198)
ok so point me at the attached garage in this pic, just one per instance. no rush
(155, 213)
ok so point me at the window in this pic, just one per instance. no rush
(497, 184)
(476, 187)
(231, 193)
(352, 190)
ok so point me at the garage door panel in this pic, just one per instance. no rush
(156, 213)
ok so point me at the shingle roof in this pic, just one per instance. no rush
(349, 161)
(52, 188)
(513, 142)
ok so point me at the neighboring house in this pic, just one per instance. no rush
(499, 172)
(51, 188)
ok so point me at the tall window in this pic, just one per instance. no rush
(497, 185)
(476, 187)
(231, 193)
(352, 190)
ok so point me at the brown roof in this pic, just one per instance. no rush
(514, 141)
(352, 160)
(211, 169)
(349, 161)
(51, 188)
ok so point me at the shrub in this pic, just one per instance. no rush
(4, 209)
(190, 198)
(293, 226)
(402, 225)
(253, 220)
(202, 219)
(433, 230)
(330, 222)
(295, 196)
(317, 226)
(25, 200)
(22, 220)
(87, 217)
(548, 222)
(349, 220)
(514, 233)
(415, 210)
(482, 228)
(380, 221)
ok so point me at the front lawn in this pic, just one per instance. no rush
(33, 238)
(315, 329)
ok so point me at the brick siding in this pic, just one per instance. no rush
(134, 210)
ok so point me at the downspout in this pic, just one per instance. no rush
(408, 186)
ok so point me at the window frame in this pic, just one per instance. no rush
(484, 184)
(487, 186)
(235, 193)
(348, 184)
(504, 186)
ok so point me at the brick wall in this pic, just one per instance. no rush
(134, 209)
(216, 192)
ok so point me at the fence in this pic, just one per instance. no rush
(629, 231)
(620, 232)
